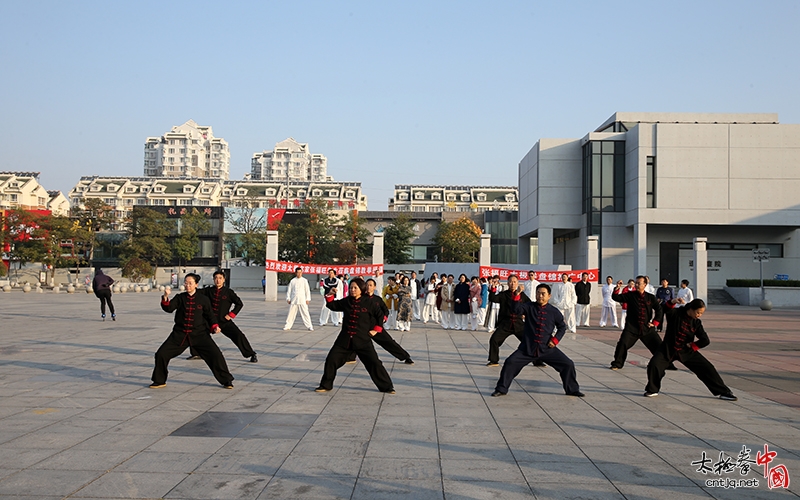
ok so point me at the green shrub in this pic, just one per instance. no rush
(757, 283)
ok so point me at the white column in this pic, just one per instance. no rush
(485, 255)
(700, 268)
(545, 246)
(377, 248)
(271, 292)
(592, 253)
(640, 249)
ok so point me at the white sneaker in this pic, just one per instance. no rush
(286, 328)
(311, 329)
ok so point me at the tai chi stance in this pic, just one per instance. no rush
(640, 323)
(362, 320)
(298, 296)
(194, 320)
(683, 326)
(102, 290)
(609, 311)
(222, 298)
(544, 328)
(508, 321)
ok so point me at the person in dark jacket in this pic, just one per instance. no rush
(543, 330)
(683, 327)
(664, 294)
(508, 321)
(461, 306)
(194, 322)
(644, 315)
(222, 299)
(102, 290)
(583, 289)
(362, 320)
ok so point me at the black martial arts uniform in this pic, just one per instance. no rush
(193, 322)
(360, 316)
(382, 338)
(679, 344)
(540, 323)
(508, 322)
(221, 301)
(640, 307)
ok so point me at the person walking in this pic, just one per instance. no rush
(583, 292)
(194, 323)
(565, 299)
(508, 321)
(461, 304)
(405, 304)
(640, 322)
(429, 310)
(362, 320)
(683, 327)
(609, 310)
(222, 298)
(101, 284)
(298, 296)
(544, 327)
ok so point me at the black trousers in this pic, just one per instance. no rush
(496, 340)
(553, 357)
(205, 347)
(695, 362)
(230, 330)
(105, 297)
(389, 345)
(339, 355)
(650, 339)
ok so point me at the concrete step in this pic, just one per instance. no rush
(720, 297)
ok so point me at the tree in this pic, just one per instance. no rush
(147, 234)
(353, 237)
(250, 225)
(397, 240)
(187, 244)
(91, 216)
(311, 239)
(458, 241)
(24, 236)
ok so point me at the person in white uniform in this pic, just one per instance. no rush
(609, 311)
(298, 296)
(565, 299)
(685, 293)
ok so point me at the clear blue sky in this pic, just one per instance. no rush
(391, 92)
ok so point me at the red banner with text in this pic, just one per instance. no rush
(352, 269)
(542, 276)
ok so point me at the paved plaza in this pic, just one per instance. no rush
(77, 419)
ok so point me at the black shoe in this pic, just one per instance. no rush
(492, 363)
(192, 358)
(409, 361)
(390, 391)
(113, 317)
(540, 364)
(254, 358)
(577, 394)
(728, 397)
(321, 389)
(497, 394)
(672, 367)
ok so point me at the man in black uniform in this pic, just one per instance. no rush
(644, 315)
(194, 320)
(583, 289)
(222, 298)
(539, 344)
(508, 322)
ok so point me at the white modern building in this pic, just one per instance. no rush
(188, 150)
(123, 193)
(22, 190)
(648, 183)
(289, 161)
(420, 198)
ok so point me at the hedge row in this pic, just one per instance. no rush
(757, 283)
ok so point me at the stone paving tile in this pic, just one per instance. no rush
(578, 490)
(189, 444)
(400, 468)
(257, 446)
(402, 449)
(486, 490)
(244, 464)
(90, 460)
(422, 489)
(481, 470)
(309, 487)
(131, 485)
(319, 466)
(161, 461)
(214, 486)
(121, 442)
(46, 482)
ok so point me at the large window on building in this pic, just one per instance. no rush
(603, 181)
(651, 182)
